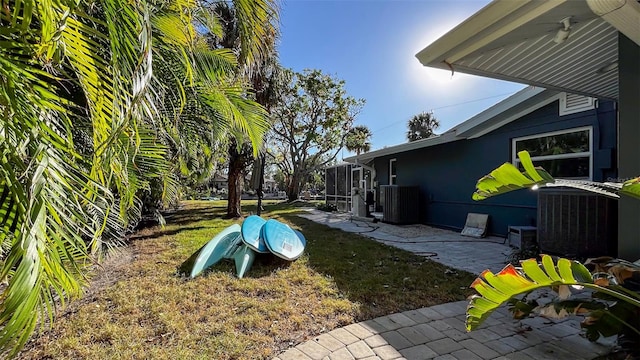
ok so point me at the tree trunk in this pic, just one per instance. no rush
(293, 187)
(260, 189)
(235, 182)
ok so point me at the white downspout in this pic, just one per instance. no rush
(624, 15)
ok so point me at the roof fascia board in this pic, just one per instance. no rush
(444, 138)
(479, 21)
(536, 97)
(537, 105)
(497, 109)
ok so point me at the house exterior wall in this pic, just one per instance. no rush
(447, 173)
(629, 208)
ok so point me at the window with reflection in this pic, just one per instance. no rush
(564, 154)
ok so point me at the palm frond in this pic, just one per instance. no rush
(213, 65)
(44, 194)
(244, 114)
(171, 29)
(256, 19)
(50, 208)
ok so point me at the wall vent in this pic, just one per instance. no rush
(572, 103)
(401, 204)
(577, 224)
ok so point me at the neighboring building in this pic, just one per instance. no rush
(580, 132)
(270, 185)
(220, 182)
(588, 47)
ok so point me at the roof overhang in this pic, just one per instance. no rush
(366, 158)
(513, 108)
(514, 41)
(510, 109)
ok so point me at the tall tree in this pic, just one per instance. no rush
(202, 100)
(422, 126)
(311, 121)
(358, 139)
(259, 68)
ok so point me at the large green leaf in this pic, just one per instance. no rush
(508, 178)
(496, 289)
(631, 187)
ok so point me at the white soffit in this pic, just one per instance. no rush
(573, 64)
(513, 40)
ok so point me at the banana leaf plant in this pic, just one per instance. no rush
(608, 296)
(508, 178)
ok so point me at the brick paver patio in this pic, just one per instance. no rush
(438, 332)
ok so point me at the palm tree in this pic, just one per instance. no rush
(84, 132)
(56, 204)
(258, 65)
(216, 102)
(358, 139)
(422, 126)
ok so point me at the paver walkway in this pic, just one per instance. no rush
(447, 247)
(438, 332)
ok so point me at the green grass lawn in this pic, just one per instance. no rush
(141, 307)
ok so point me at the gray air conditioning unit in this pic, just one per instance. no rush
(576, 223)
(401, 204)
(522, 237)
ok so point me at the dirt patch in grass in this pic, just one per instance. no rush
(141, 307)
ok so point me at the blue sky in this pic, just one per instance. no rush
(371, 44)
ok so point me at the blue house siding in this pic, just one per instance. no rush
(447, 173)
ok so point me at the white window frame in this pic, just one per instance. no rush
(514, 155)
(392, 177)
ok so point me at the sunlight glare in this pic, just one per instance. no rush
(429, 79)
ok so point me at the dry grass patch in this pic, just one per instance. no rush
(147, 309)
